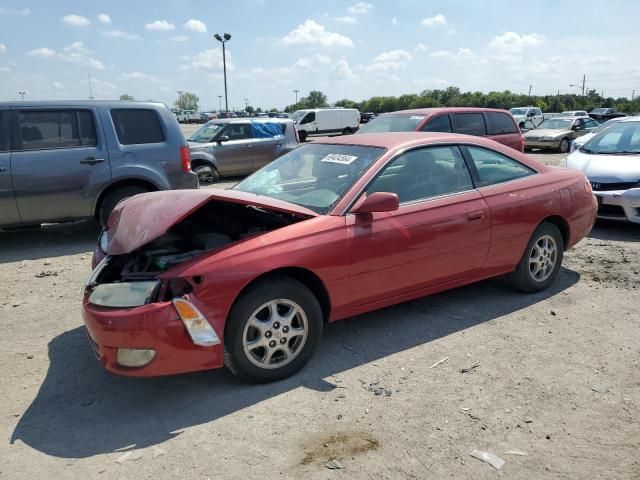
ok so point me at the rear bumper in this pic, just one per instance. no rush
(155, 326)
(185, 181)
(623, 205)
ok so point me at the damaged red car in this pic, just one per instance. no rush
(248, 278)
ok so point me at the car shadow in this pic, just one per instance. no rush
(48, 241)
(617, 231)
(81, 410)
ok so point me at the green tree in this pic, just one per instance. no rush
(126, 97)
(187, 101)
(249, 109)
(315, 99)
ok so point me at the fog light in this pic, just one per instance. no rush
(201, 332)
(135, 357)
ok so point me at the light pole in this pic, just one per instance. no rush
(296, 91)
(246, 103)
(219, 103)
(180, 92)
(22, 93)
(224, 40)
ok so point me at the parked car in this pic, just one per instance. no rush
(324, 121)
(249, 277)
(557, 133)
(239, 146)
(611, 162)
(69, 160)
(367, 117)
(524, 114)
(580, 141)
(188, 116)
(603, 114)
(574, 113)
(498, 125)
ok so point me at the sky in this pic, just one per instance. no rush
(354, 50)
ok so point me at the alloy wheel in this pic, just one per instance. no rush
(543, 258)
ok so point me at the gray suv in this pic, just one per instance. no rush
(69, 160)
(228, 147)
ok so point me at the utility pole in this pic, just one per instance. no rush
(584, 80)
(219, 103)
(223, 40)
(633, 94)
(530, 86)
(296, 91)
(246, 103)
(179, 92)
(22, 93)
(90, 93)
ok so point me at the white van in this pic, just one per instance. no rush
(324, 121)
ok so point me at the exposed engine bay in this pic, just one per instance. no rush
(212, 226)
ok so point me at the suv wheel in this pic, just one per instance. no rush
(347, 131)
(207, 174)
(112, 199)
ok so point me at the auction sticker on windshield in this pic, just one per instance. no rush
(339, 158)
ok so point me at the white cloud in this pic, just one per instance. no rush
(439, 19)
(76, 20)
(104, 18)
(464, 53)
(312, 33)
(121, 34)
(392, 60)
(343, 71)
(9, 11)
(58, 85)
(195, 26)
(179, 38)
(5, 69)
(160, 26)
(139, 76)
(360, 8)
(511, 42)
(3, 48)
(394, 21)
(43, 52)
(78, 54)
(421, 47)
(102, 86)
(346, 19)
(440, 54)
(210, 59)
(308, 62)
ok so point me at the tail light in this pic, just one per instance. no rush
(185, 159)
(297, 135)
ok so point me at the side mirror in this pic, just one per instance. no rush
(377, 202)
(223, 138)
(530, 114)
(575, 127)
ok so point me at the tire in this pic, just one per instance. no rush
(207, 174)
(303, 136)
(565, 145)
(537, 269)
(112, 199)
(347, 131)
(251, 322)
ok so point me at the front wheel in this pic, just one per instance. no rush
(564, 145)
(206, 174)
(302, 135)
(347, 131)
(272, 331)
(542, 259)
(113, 198)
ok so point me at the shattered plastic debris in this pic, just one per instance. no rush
(470, 369)
(49, 273)
(334, 465)
(490, 458)
(131, 456)
(515, 452)
(442, 360)
(157, 452)
(600, 388)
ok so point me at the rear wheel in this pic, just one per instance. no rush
(272, 331)
(347, 131)
(302, 135)
(541, 261)
(207, 174)
(564, 145)
(110, 201)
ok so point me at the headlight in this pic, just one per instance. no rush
(549, 139)
(125, 294)
(103, 240)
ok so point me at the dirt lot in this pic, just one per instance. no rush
(554, 375)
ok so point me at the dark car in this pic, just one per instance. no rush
(70, 160)
(228, 147)
(367, 117)
(604, 114)
(498, 125)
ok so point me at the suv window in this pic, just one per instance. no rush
(424, 173)
(500, 123)
(308, 118)
(470, 123)
(4, 116)
(45, 129)
(136, 126)
(440, 123)
(493, 167)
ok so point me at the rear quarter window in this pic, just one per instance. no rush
(493, 168)
(441, 123)
(470, 124)
(500, 123)
(137, 126)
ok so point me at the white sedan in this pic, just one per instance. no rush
(580, 141)
(611, 162)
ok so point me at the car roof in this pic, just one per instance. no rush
(434, 110)
(75, 103)
(252, 119)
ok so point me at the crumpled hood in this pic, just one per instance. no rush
(606, 168)
(546, 132)
(139, 220)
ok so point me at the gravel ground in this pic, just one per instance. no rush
(405, 392)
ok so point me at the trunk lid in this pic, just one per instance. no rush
(139, 220)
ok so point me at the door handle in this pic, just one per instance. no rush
(91, 160)
(3, 169)
(475, 216)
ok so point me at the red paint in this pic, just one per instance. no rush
(365, 261)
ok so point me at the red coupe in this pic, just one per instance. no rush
(248, 277)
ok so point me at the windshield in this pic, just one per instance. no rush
(207, 132)
(607, 124)
(619, 138)
(392, 123)
(599, 110)
(297, 115)
(314, 175)
(556, 124)
(519, 111)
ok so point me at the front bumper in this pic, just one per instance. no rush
(542, 144)
(623, 205)
(154, 326)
